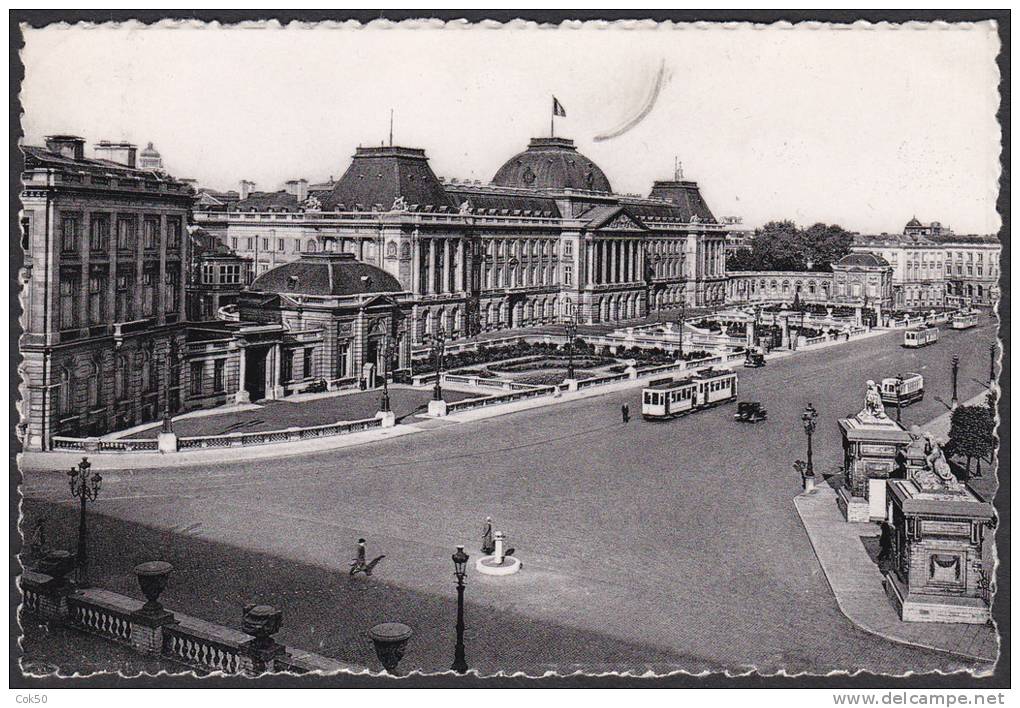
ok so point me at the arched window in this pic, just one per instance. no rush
(120, 378)
(92, 386)
(64, 393)
(311, 246)
(147, 370)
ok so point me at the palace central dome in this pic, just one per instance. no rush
(552, 163)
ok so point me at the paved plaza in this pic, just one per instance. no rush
(661, 546)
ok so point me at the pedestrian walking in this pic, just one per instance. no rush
(488, 543)
(358, 565)
(625, 412)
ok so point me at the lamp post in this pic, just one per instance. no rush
(899, 406)
(808, 417)
(438, 343)
(460, 559)
(956, 370)
(571, 334)
(86, 489)
(388, 349)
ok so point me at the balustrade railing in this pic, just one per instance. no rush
(191, 646)
(97, 617)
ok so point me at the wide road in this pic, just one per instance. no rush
(645, 546)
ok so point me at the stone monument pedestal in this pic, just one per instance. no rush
(571, 384)
(388, 418)
(939, 572)
(498, 563)
(871, 446)
(437, 408)
(166, 442)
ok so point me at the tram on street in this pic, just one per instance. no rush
(902, 390)
(672, 397)
(964, 320)
(920, 337)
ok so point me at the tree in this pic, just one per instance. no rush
(780, 245)
(972, 434)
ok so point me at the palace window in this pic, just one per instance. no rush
(64, 393)
(287, 366)
(69, 227)
(208, 273)
(99, 232)
(97, 298)
(173, 234)
(197, 371)
(233, 242)
(150, 234)
(307, 362)
(148, 293)
(126, 234)
(92, 386)
(70, 287)
(568, 275)
(279, 244)
(125, 287)
(172, 290)
(219, 366)
(120, 378)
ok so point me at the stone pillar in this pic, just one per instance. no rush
(604, 252)
(277, 386)
(242, 394)
(430, 266)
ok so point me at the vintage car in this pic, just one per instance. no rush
(750, 412)
(754, 359)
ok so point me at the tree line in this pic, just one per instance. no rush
(781, 245)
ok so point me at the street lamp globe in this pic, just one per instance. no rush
(460, 559)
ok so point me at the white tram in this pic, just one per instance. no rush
(669, 398)
(920, 337)
(903, 389)
(964, 320)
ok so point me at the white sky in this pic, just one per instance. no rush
(860, 126)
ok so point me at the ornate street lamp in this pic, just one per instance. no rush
(86, 489)
(808, 418)
(571, 326)
(955, 361)
(438, 343)
(460, 559)
(391, 345)
(899, 406)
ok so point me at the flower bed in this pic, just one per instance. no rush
(550, 363)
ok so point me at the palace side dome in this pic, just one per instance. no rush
(864, 260)
(552, 163)
(326, 275)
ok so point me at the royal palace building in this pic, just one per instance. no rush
(547, 238)
(103, 290)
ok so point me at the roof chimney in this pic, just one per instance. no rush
(121, 153)
(247, 188)
(298, 187)
(70, 146)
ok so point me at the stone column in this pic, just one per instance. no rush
(111, 283)
(430, 266)
(161, 288)
(84, 258)
(589, 260)
(242, 394)
(604, 254)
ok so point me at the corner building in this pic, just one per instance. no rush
(546, 239)
(103, 290)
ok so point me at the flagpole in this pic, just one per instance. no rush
(552, 121)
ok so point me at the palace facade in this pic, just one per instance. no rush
(546, 239)
(103, 290)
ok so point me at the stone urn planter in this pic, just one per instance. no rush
(261, 622)
(57, 565)
(152, 578)
(390, 640)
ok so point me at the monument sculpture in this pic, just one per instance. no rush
(941, 546)
(873, 444)
(501, 560)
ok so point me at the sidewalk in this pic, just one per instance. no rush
(857, 584)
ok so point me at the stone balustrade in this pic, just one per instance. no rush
(173, 636)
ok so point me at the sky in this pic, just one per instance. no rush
(863, 126)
